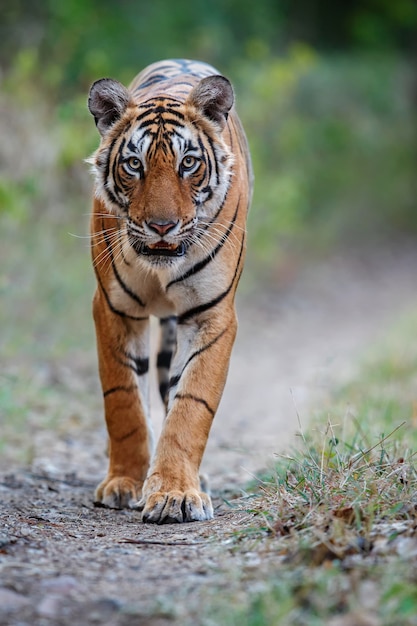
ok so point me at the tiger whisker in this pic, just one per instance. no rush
(123, 239)
(217, 232)
(230, 239)
(203, 245)
(101, 259)
(208, 224)
(217, 225)
(222, 237)
(90, 234)
(107, 215)
(105, 237)
(107, 253)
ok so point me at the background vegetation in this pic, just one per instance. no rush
(327, 92)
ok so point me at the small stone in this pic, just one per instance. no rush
(61, 585)
(11, 601)
(49, 606)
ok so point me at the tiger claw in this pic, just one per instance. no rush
(176, 507)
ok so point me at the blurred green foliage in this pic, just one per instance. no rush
(326, 91)
(333, 143)
(77, 40)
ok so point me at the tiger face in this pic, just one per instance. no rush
(155, 166)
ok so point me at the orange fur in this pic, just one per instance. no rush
(173, 186)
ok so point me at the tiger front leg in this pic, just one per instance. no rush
(172, 491)
(123, 354)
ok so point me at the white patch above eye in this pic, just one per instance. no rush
(140, 141)
(185, 144)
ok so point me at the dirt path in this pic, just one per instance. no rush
(296, 345)
(62, 561)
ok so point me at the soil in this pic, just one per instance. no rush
(63, 561)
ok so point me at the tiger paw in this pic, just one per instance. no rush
(118, 492)
(176, 507)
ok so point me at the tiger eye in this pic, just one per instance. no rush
(134, 163)
(188, 162)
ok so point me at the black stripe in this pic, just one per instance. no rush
(116, 165)
(112, 308)
(141, 363)
(122, 284)
(127, 435)
(119, 388)
(164, 359)
(166, 120)
(107, 170)
(141, 366)
(125, 261)
(163, 389)
(131, 146)
(211, 143)
(204, 348)
(200, 181)
(174, 380)
(184, 317)
(208, 190)
(205, 155)
(111, 196)
(155, 78)
(166, 320)
(189, 396)
(201, 264)
(159, 109)
(152, 102)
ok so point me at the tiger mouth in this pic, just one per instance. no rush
(160, 248)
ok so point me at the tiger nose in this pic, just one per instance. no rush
(162, 227)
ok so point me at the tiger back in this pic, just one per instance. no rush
(173, 184)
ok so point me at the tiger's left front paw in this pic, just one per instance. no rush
(176, 506)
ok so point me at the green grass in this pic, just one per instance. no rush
(335, 523)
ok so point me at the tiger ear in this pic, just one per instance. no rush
(107, 101)
(214, 97)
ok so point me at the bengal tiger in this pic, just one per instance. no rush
(173, 184)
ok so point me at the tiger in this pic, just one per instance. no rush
(172, 187)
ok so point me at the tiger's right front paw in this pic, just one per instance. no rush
(176, 506)
(118, 492)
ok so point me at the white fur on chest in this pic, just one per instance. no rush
(159, 290)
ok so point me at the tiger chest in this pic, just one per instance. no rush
(162, 294)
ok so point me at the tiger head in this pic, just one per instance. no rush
(162, 165)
